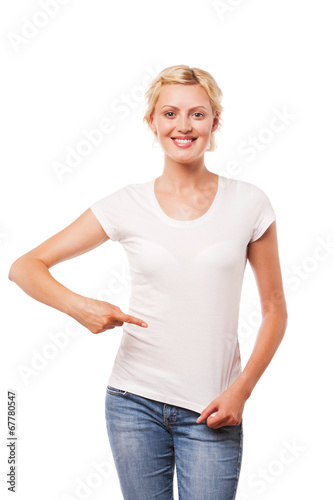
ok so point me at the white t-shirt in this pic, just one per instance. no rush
(186, 280)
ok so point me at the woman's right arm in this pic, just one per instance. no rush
(31, 273)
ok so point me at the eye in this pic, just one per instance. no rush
(168, 113)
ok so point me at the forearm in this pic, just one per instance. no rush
(33, 276)
(268, 339)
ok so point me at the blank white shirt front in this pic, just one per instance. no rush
(186, 281)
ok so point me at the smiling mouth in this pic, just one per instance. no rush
(184, 141)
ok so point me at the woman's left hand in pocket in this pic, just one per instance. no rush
(228, 406)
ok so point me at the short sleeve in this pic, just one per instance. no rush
(263, 213)
(106, 210)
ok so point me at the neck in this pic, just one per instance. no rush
(178, 176)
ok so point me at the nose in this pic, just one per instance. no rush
(184, 124)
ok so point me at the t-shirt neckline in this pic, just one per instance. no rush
(185, 223)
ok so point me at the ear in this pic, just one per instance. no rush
(215, 121)
(152, 124)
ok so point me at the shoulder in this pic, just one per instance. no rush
(128, 190)
(239, 190)
(246, 191)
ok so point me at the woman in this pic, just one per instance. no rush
(176, 392)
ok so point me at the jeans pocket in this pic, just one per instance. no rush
(116, 392)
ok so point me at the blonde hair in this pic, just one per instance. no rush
(188, 76)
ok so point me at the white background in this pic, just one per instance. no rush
(68, 75)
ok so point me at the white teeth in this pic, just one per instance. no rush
(183, 141)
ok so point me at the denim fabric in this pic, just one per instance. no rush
(149, 438)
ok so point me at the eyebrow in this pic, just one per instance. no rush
(175, 107)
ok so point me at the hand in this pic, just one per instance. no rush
(229, 406)
(98, 315)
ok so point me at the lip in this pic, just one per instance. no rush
(187, 144)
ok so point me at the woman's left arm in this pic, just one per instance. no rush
(264, 259)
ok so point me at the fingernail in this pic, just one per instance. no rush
(144, 324)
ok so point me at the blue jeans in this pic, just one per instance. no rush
(149, 437)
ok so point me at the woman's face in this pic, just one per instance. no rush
(183, 121)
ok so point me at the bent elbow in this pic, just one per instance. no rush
(15, 269)
(12, 271)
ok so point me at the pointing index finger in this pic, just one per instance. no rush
(127, 318)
